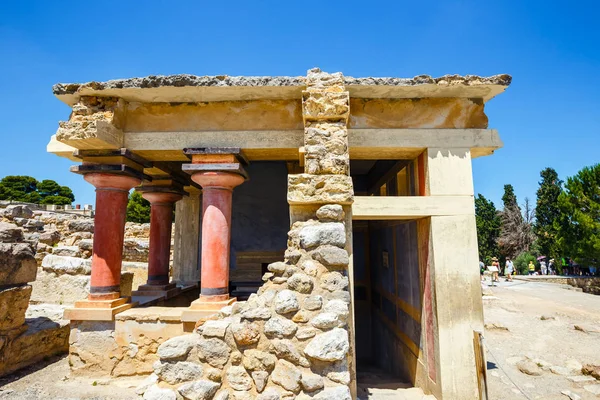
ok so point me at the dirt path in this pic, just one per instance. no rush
(515, 332)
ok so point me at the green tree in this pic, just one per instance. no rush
(52, 193)
(28, 189)
(488, 228)
(509, 198)
(522, 262)
(578, 227)
(17, 187)
(547, 213)
(138, 208)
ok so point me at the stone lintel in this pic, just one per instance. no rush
(306, 189)
(208, 154)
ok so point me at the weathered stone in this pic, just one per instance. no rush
(13, 305)
(269, 394)
(311, 382)
(256, 313)
(342, 295)
(313, 268)
(571, 395)
(10, 233)
(236, 357)
(278, 268)
(245, 333)
(591, 369)
(215, 328)
(529, 367)
(238, 378)
(18, 211)
(290, 270)
(279, 280)
(331, 212)
(66, 251)
(337, 307)
(325, 320)
(314, 302)
(237, 395)
(86, 244)
(319, 189)
(157, 393)
(287, 376)
(146, 384)
(331, 256)
(213, 374)
(17, 264)
(333, 281)
(222, 395)
(300, 317)
(214, 351)
(306, 333)
(286, 302)
(280, 327)
(177, 372)
(325, 105)
(338, 372)
(260, 380)
(177, 347)
(82, 225)
(587, 328)
(199, 390)
(329, 346)
(256, 360)
(593, 389)
(555, 369)
(337, 393)
(287, 350)
(292, 255)
(66, 265)
(300, 282)
(50, 238)
(328, 233)
(34, 225)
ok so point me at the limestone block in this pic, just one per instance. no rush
(59, 289)
(329, 346)
(199, 390)
(214, 351)
(260, 380)
(43, 338)
(245, 333)
(311, 382)
(337, 307)
(285, 348)
(66, 265)
(331, 213)
(50, 237)
(319, 80)
(286, 302)
(10, 233)
(256, 360)
(68, 251)
(313, 303)
(92, 347)
(82, 225)
(300, 282)
(328, 233)
(13, 305)
(17, 211)
(17, 264)
(94, 124)
(325, 320)
(238, 378)
(320, 189)
(177, 372)
(287, 376)
(279, 327)
(337, 393)
(157, 393)
(331, 256)
(216, 328)
(270, 393)
(146, 384)
(320, 105)
(334, 281)
(306, 333)
(177, 347)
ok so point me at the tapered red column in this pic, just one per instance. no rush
(216, 232)
(161, 219)
(109, 230)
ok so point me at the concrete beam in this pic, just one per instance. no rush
(410, 207)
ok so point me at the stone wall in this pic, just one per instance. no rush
(293, 338)
(23, 341)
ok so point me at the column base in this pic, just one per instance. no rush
(201, 309)
(98, 310)
(169, 290)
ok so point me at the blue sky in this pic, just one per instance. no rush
(549, 116)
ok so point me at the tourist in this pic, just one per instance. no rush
(543, 267)
(509, 269)
(551, 270)
(494, 269)
(531, 268)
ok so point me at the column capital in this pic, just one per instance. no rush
(218, 179)
(158, 197)
(102, 180)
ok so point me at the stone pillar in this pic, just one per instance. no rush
(218, 173)
(448, 172)
(112, 193)
(161, 220)
(186, 247)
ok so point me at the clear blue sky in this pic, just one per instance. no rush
(549, 116)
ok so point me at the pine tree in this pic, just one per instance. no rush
(578, 227)
(547, 212)
(138, 208)
(488, 228)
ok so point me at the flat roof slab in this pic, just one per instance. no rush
(185, 88)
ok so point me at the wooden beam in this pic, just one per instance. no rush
(410, 207)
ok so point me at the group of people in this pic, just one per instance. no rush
(509, 269)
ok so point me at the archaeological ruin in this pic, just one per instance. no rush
(323, 228)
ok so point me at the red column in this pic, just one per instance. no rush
(161, 219)
(216, 232)
(109, 229)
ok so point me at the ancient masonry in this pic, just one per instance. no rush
(379, 198)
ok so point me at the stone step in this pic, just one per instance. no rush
(382, 393)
